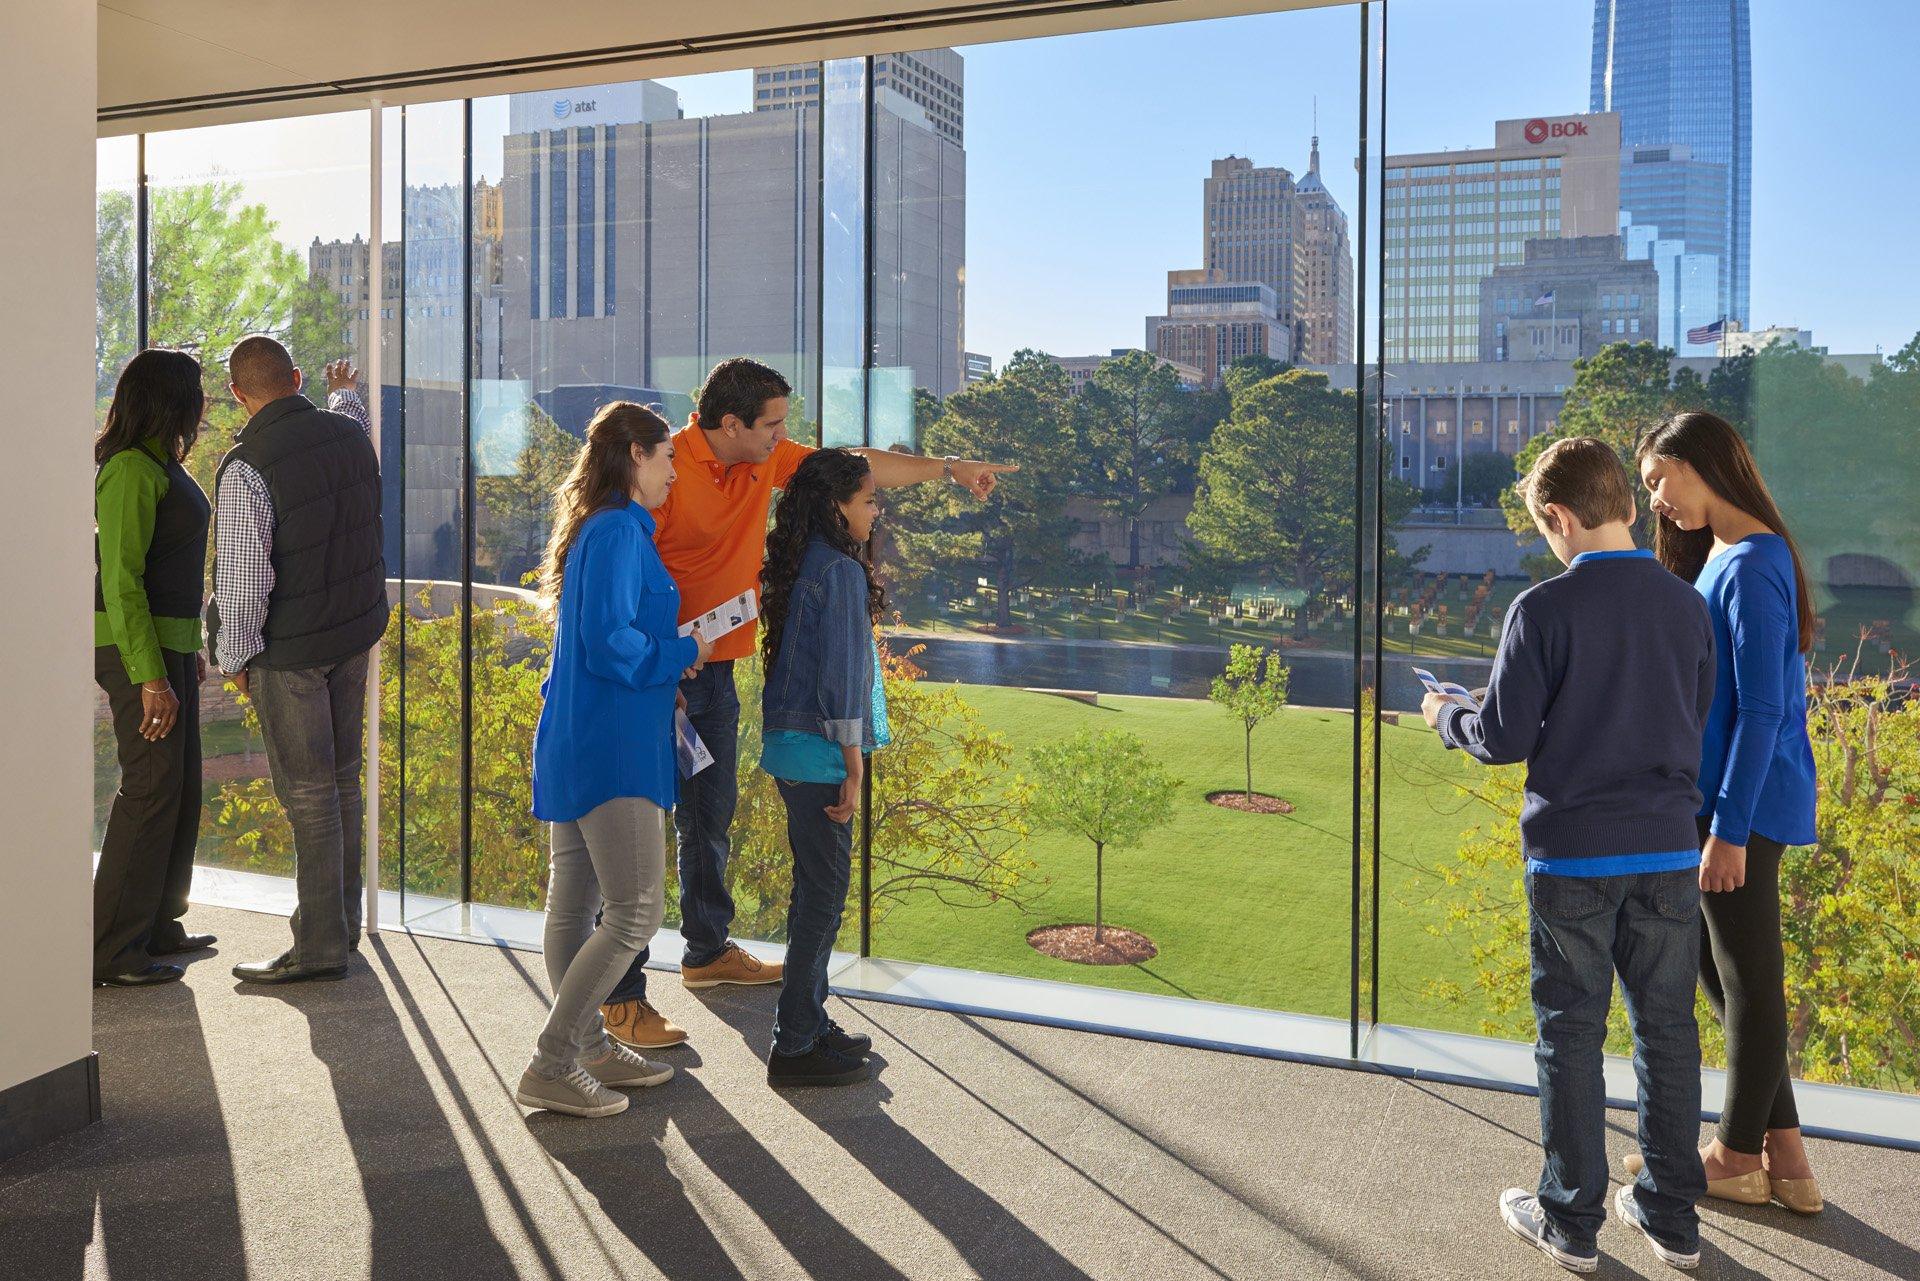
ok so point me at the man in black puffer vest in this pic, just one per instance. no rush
(299, 598)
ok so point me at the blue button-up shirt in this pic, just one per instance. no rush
(606, 729)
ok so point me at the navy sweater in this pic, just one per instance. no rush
(1601, 686)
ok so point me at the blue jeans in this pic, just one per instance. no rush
(822, 868)
(1584, 930)
(312, 720)
(700, 823)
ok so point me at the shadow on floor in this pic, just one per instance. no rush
(156, 1175)
(419, 1192)
(622, 1162)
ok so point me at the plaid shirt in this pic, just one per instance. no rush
(243, 550)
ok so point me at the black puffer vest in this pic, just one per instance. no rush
(329, 599)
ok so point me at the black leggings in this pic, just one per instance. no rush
(1743, 970)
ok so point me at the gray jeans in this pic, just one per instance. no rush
(612, 861)
(313, 719)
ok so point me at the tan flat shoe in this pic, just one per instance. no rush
(1802, 1196)
(1752, 1188)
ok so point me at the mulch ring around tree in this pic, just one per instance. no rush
(1075, 943)
(1259, 803)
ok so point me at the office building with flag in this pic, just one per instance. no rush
(1453, 217)
(1568, 297)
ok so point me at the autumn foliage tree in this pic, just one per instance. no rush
(949, 810)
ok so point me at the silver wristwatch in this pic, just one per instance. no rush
(951, 460)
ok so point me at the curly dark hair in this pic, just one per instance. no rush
(809, 507)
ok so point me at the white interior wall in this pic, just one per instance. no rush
(46, 574)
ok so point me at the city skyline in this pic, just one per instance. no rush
(1043, 273)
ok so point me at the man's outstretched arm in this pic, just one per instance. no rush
(892, 470)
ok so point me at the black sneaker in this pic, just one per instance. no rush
(822, 1065)
(839, 1039)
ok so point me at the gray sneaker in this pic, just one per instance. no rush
(1672, 1255)
(1520, 1210)
(577, 1094)
(625, 1070)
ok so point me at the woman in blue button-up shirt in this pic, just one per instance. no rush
(604, 769)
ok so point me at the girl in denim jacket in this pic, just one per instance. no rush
(823, 709)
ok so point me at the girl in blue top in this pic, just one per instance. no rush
(822, 710)
(1720, 529)
(604, 770)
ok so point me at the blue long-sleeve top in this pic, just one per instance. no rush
(606, 728)
(1756, 765)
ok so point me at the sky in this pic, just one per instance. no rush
(1072, 226)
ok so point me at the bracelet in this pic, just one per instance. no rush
(950, 461)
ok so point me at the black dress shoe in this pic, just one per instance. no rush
(285, 969)
(187, 943)
(145, 976)
(841, 1041)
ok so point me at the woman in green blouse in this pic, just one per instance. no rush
(151, 555)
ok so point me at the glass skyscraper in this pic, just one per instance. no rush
(1679, 74)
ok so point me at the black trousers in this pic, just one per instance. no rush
(146, 856)
(1743, 969)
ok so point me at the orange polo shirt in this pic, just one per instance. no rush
(713, 528)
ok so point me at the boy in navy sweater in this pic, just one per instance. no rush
(1602, 686)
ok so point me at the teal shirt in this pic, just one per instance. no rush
(800, 757)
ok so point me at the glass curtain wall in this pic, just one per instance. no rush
(1138, 298)
(625, 238)
(1571, 250)
(1269, 388)
(116, 338)
(250, 231)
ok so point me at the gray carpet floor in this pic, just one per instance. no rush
(366, 1129)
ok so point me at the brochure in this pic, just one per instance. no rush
(1451, 690)
(724, 617)
(693, 753)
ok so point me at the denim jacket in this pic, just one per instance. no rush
(822, 678)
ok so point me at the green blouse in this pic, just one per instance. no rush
(125, 496)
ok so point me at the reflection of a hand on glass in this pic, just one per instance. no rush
(341, 376)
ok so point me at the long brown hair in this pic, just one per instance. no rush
(809, 508)
(602, 477)
(1709, 444)
(157, 397)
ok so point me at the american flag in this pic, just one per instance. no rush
(1543, 299)
(1707, 333)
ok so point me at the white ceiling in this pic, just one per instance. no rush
(166, 63)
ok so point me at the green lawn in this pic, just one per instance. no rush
(1246, 909)
(1061, 618)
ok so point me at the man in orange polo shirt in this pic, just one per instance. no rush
(713, 537)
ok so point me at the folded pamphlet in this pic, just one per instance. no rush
(724, 617)
(693, 753)
(1448, 688)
